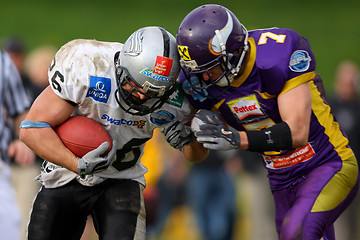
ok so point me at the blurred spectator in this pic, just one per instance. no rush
(33, 72)
(254, 201)
(33, 66)
(15, 46)
(36, 67)
(165, 190)
(211, 196)
(245, 203)
(14, 103)
(171, 192)
(229, 196)
(153, 157)
(345, 102)
(345, 106)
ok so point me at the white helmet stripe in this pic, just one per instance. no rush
(216, 43)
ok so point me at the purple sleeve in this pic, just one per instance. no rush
(282, 54)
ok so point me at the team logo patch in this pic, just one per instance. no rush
(300, 61)
(177, 98)
(135, 44)
(99, 89)
(245, 107)
(163, 65)
(161, 117)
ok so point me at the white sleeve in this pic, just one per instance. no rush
(69, 72)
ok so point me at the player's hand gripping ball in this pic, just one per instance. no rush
(82, 135)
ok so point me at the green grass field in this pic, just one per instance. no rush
(331, 26)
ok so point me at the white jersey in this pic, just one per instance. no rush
(83, 72)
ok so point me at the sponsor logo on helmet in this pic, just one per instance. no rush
(161, 117)
(300, 61)
(245, 107)
(184, 53)
(139, 123)
(150, 74)
(99, 88)
(185, 59)
(163, 65)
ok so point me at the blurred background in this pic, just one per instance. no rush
(331, 26)
(246, 210)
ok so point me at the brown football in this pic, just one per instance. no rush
(82, 135)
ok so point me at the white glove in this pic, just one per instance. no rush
(93, 161)
(212, 132)
(177, 134)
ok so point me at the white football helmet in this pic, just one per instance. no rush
(150, 60)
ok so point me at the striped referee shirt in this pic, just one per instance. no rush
(13, 101)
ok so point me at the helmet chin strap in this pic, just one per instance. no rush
(225, 80)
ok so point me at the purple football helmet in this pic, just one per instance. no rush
(211, 36)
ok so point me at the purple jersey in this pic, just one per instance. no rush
(279, 60)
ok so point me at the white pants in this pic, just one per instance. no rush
(10, 220)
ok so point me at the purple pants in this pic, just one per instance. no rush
(308, 209)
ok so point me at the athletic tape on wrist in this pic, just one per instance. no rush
(33, 124)
(274, 138)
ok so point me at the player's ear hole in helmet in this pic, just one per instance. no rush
(211, 37)
(146, 70)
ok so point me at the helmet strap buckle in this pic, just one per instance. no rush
(221, 42)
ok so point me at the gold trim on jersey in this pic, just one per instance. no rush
(249, 64)
(326, 119)
(265, 95)
(344, 180)
(296, 81)
(217, 106)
